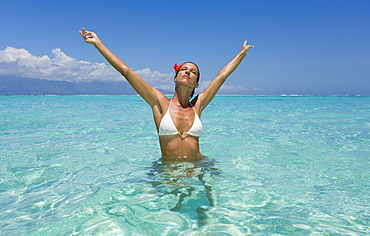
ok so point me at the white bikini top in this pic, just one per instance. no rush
(167, 126)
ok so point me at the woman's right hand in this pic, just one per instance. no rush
(89, 37)
(245, 48)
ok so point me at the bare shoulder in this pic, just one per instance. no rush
(160, 107)
(201, 102)
(162, 102)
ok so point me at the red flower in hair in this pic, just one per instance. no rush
(177, 67)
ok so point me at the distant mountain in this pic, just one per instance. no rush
(12, 85)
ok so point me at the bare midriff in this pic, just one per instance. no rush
(175, 148)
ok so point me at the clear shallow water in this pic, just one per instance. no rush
(83, 165)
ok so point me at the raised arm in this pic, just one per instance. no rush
(146, 91)
(208, 94)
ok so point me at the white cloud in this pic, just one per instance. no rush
(232, 88)
(224, 88)
(20, 62)
(159, 80)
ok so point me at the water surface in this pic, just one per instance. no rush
(88, 165)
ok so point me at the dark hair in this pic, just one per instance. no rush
(198, 77)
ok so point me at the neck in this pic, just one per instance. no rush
(182, 95)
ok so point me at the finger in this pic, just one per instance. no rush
(88, 33)
(81, 33)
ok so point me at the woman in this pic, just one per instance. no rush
(177, 119)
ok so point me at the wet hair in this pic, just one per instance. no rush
(198, 77)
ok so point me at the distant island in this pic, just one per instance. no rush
(14, 85)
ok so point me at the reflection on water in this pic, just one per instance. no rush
(182, 178)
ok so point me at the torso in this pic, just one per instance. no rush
(180, 145)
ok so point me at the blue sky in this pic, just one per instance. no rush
(301, 47)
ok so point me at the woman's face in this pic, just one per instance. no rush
(188, 74)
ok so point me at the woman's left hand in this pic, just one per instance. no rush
(89, 37)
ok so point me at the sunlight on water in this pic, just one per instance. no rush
(89, 165)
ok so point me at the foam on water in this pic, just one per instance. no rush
(83, 165)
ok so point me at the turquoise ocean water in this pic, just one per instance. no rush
(279, 165)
